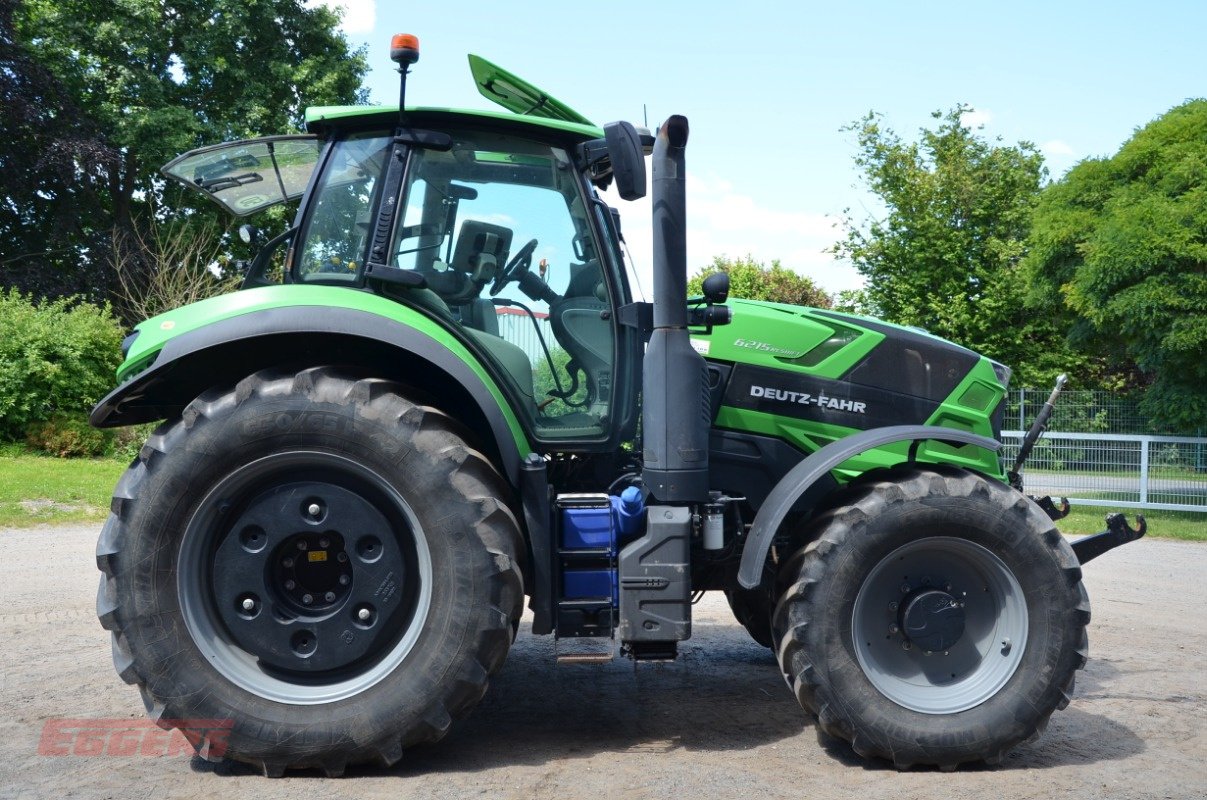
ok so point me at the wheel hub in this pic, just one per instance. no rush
(932, 620)
(310, 571)
(307, 575)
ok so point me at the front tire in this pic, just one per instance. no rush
(320, 565)
(936, 617)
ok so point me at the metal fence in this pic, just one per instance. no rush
(1085, 411)
(516, 327)
(1128, 471)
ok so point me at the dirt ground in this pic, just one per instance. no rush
(718, 723)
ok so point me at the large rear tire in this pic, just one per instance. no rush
(935, 617)
(314, 565)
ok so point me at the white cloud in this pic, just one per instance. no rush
(359, 16)
(722, 220)
(976, 118)
(1056, 147)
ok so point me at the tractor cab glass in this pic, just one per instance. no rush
(249, 176)
(499, 229)
(336, 233)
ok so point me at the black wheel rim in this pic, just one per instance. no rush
(304, 577)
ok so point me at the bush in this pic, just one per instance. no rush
(56, 358)
(69, 436)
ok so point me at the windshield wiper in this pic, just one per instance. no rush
(215, 185)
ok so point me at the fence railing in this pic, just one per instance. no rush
(1124, 470)
(1085, 411)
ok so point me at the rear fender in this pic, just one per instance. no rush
(223, 352)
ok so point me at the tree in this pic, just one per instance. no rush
(1119, 250)
(145, 80)
(753, 280)
(945, 254)
(51, 151)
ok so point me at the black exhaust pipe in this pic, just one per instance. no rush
(675, 411)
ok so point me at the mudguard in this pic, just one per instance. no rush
(816, 467)
(192, 361)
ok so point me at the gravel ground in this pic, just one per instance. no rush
(719, 722)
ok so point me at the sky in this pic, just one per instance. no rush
(768, 87)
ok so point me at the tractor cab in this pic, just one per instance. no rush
(489, 224)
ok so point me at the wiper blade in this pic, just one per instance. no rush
(214, 185)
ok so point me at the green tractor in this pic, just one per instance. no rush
(436, 396)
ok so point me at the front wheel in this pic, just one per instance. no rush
(936, 617)
(315, 565)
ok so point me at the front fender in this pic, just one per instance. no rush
(817, 466)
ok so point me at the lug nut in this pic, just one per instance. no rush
(302, 545)
(344, 580)
(906, 645)
(307, 599)
(364, 614)
(892, 606)
(329, 597)
(324, 542)
(290, 585)
(314, 509)
(342, 557)
(287, 563)
(893, 628)
(249, 604)
(905, 588)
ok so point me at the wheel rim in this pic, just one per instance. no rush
(304, 577)
(939, 592)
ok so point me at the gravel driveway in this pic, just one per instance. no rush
(717, 723)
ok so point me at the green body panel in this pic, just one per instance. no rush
(385, 115)
(155, 332)
(518, 95)
(781, 337)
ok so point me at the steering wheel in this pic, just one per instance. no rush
(519, 264)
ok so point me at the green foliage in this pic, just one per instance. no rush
(118, 87)
(69, 436)
(55, 358)
(753, 280)
(945, 254)
(1119, 251)
(543, 383)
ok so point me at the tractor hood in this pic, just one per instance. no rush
(852, 372)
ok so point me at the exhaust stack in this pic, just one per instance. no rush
(675, 409)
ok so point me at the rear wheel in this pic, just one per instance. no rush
(936, 617)
(315, 564)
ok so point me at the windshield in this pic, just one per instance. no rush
(249, 176)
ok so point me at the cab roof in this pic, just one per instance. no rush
(321, 119)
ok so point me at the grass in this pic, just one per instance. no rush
(42, 489)
(1188, 526)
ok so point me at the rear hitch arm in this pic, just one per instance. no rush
(1117, 532)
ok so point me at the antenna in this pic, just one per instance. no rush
(645, 117)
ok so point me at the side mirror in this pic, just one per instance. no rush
(716, 287)
(628, 159)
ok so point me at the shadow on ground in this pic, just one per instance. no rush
(723, 693)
